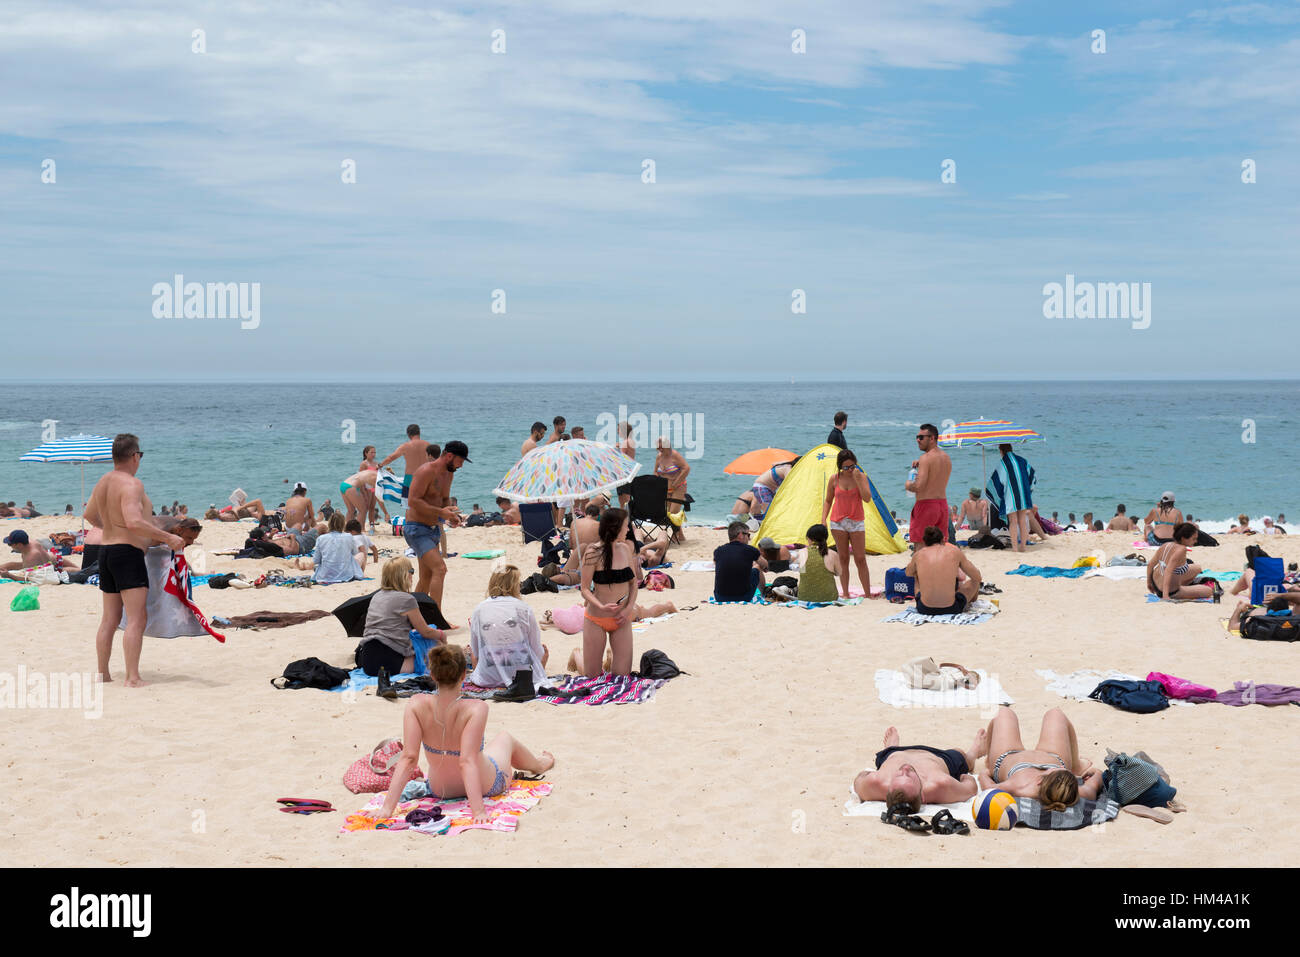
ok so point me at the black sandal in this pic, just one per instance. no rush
(945, 823)
(899, 817)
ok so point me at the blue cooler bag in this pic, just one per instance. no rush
(1267, 581)
(899, 585)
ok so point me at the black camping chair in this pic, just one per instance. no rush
(538, 523)
(650, 500)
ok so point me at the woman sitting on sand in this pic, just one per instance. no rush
(336, 557)
(1162, 520)
(609, 589)
(504, 635)
(1051, 772)
(449, 728)
(393, 613)
(1171, 574)
(817, 580)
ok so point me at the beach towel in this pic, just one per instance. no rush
(1155, 598)
(819, 604)
(259, 620)
(358, 679)
(1116, 572)
(856, 808)
(1222, 576)
(894, 689)
(503, 811)
(1014, 478)
(697, 566)
(605, 689)
(756, 600)
(1048, 571)
(1247, 692)
(1080, 684)
(1081, 814)
(978, 612)
(390, 488)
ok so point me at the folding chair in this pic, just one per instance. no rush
(538, 524)
(650, 500)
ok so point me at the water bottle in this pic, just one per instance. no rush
(911, 477)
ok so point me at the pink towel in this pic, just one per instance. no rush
(1181, 687)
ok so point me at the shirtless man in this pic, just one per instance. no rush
(558, 434)
(412, 451)
(585, 531)
(30, 553)
(1121, 522)
(930, 486)
(921, 775)
(427, 506)
(938, 568)
(119, 506)
(975, 510)
(298, 511)
(509, 511)
(535, 435)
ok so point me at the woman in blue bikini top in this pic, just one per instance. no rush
(446, 726)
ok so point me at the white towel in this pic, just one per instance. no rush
(893, 689)
(979, 612)
(855, 808)
(697, 566)
(1117, 572)
(1079, 684)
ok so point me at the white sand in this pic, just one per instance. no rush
(745, 762)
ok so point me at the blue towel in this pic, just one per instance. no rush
(358, 679)
(1048, 571)
(1151, 598)
(756, 600)
(1014, 478)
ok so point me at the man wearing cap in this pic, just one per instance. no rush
(31, 553)
(428, 504)
(120, 507)
(975, 511)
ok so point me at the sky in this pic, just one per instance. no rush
(515, 179)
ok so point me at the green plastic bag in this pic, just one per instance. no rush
(27, 599)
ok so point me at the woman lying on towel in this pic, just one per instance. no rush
(1051, 771)
(1170, 572)
(449, 729)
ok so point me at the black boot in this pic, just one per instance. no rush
(385, 689)
(521, 689)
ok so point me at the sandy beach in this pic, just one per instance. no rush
(746, 761)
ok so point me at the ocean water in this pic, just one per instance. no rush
(1221, 447)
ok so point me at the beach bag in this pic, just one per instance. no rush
(1270, 628)
(27, 599)
(476, 519)
(655, 664)
(1140, 697)
(372, 774)
(1181, 687)
(537, 582)
(924, 675)
(310, 673)
(1268, 579)
(898, 584)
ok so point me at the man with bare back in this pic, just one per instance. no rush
(119, 506)
(413, 452)
(930, 486)
(426, 507)
(919, 774)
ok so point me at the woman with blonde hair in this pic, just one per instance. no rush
(1051, 772)
(393, 613)
(450, 729)
(504, 635)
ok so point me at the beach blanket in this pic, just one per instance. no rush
(979, 612)
(1116, 572)
(1154, 598)
(856, 808)
(1080, 684)
(606, 689)
(503, 811)
(819, 604)
(1080, 814)
(1247, 692)
(1222, 576)
(894, 690)
(358, 679)
(756, 600)
(697, 566)
(274, 619)
(1048, 571)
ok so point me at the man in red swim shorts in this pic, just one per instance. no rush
(930, 486)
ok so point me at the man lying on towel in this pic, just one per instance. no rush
(920, 774)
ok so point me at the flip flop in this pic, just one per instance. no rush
(529, 775)
(1151, 813)
(303, 802)
(945, 823)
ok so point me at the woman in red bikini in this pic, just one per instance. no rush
(609, 589)
(847, 489)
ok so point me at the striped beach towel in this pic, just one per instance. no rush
(1013, 480)
(1081, 814)
(390, 488)
(607, 689)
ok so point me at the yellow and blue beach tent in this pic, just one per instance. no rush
(797, 506)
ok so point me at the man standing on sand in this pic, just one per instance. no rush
(428, 505)
(119, 506)
(412, 452)
(930, 486)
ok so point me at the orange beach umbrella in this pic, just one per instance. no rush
(758, 461)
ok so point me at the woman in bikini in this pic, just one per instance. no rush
(670, 464)
(449, 728)
(1051, 772)
(609, 589)
(1171, 574)
(368, 464)
(358, 492)
(1162, 520)
(846, 490)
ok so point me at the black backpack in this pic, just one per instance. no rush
(656, 664)
(537, 582)
(1142, 697)
(310, 673)
(1271, 627)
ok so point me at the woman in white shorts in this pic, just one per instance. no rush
(846, 490)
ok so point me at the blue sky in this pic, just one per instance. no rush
(775, 171)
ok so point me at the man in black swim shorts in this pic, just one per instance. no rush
(119, 506)
(914, 775)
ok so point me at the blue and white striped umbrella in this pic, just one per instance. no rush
(77, 449)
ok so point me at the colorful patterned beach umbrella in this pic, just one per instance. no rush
(575, 468)
(78, 449)
(986, 432)
(758, 461)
